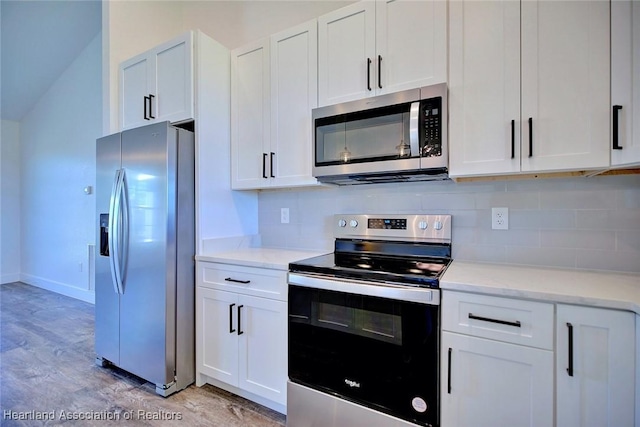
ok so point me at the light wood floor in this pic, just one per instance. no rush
(47, 369)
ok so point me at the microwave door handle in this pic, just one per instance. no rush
(414, 128)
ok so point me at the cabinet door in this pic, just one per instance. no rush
(346, 54)
(484, 88)
(136, 83)
(487, 383)
(173, 91)
(565, 85)
(217, 334)
(263, 347)
(250, 116)
(595, 360)
(294, 83)
(411, 44)
(625, 80)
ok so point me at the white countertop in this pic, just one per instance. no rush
(277, 259)
(598, 289)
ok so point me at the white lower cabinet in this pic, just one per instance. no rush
(498, 381)
(595, 362)
(502, 366)
(241, 339)
(488, 383)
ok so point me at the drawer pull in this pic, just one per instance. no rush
(570, 368)
(229, 279)
(501, 322)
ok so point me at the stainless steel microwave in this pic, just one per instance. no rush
(400, 136)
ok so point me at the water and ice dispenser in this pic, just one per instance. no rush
(104, 234)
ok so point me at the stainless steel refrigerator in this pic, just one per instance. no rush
(144, 269)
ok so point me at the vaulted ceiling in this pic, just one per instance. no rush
(39, 40)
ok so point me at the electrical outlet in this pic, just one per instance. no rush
(284, 215)
(500, 218)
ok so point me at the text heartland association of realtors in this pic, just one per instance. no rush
(92, 415)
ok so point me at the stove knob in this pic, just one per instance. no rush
(353, 223)
(342, 223)
(422, 225)
(437, 225)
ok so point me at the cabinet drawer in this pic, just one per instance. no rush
(262, 282)
(504, 319)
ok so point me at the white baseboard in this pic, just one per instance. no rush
(9, 278)
(58, 287)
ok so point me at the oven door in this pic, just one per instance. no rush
(378, 352)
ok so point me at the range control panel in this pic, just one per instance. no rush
(387, 224)
(416, 227)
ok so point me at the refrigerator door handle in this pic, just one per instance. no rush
(113, 231)
(123, 245)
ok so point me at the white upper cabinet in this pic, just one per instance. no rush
(411, 44)
(565, 85)
(250, 115)
(370, 48)
(157, 85)
(273, 89)
(484, 88)
(595, 365)
(294, 93)
(625, 83)
(556, 55)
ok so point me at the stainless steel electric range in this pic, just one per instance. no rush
(364, 324)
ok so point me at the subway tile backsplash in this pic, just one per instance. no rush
(581, 223)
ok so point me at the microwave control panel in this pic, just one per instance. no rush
(431, 127)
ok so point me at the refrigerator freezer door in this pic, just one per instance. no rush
(107, 310)
(147, 304)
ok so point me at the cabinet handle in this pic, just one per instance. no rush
(231, 330)
(240, 331)
(146, 99)
(570, 368)
(271, 165)
(369, 74)
(517, 323)
(616, 145)
(151, 106)
(380, 71)
(229, 279)
(449, 372)
(264, 165)
(513, 139)
(530, 136)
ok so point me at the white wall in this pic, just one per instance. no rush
(57, 161)
(10, 202)
(579, 223)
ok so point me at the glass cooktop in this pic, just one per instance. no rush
(369, 261)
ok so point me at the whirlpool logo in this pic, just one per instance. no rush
(351, 383)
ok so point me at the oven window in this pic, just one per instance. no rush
(385, 327)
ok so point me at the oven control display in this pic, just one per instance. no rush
(387, 224)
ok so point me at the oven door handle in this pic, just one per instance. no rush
(397, 292)
(414, 129)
